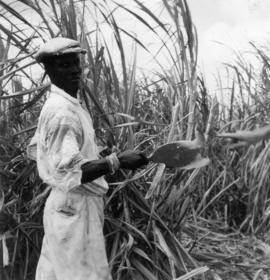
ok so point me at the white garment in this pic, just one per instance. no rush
(73, 245)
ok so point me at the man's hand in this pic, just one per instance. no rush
(245, 138)
(132, 159)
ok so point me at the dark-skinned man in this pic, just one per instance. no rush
(68, 160)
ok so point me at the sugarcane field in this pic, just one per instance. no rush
(134, 140)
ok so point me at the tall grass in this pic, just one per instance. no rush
(159, 223)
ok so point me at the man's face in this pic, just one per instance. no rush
(65, 72)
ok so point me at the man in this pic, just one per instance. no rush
(67, 159)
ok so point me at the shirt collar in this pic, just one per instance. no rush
(59, 91)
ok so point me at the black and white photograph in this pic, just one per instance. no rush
(134, 140)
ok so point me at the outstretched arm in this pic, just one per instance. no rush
(96, 168)
(247, 138)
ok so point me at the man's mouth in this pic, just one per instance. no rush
(75, 79)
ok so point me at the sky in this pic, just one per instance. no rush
(226, 26)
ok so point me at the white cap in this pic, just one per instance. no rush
(58, 46)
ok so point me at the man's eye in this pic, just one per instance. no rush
(65, 64)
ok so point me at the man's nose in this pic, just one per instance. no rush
(77, 69)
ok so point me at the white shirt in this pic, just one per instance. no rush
(64, 140)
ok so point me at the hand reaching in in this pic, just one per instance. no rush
(244, 138)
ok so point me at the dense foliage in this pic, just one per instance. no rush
(160, 223)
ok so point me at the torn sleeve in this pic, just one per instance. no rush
(62, 142)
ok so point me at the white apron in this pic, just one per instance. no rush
(73, 245)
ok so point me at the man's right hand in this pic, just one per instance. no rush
(132, 159)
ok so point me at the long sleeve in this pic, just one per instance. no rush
(60, 138)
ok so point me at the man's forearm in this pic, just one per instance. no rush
(263, 132)
(94, 169)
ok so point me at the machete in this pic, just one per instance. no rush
(184, 154)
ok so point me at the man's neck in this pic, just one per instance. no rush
(71, 92)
